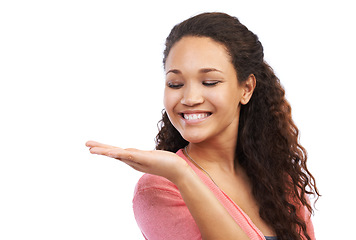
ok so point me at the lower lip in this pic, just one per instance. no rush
(194, 121)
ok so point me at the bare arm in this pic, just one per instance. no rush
(212, 218)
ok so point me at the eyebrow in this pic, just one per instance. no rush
(202, 70)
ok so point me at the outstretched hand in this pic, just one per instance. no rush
(157, 162)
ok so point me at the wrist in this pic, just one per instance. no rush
(184, 175)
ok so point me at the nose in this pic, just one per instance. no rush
(192, 96)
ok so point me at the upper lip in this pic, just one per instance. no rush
(193, 111)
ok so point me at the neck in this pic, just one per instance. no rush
(218, 152)
(214, 155)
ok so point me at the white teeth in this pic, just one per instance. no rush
(195, 116)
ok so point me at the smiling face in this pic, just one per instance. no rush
(202, 95)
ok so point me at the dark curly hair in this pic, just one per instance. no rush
(267, 144)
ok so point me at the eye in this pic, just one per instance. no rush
(174, 85)
(210, 83)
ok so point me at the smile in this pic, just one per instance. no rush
(195, 116)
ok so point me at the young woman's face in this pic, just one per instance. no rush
(202, 95)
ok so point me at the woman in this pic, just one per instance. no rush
(239, 171)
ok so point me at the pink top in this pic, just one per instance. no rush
(161, 213)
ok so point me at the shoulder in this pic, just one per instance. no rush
(150, 182)
(160, 211)
(153, 191)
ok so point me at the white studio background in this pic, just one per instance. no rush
(76, 70)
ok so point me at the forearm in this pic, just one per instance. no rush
(213, 220)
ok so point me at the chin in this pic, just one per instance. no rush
(196, 138)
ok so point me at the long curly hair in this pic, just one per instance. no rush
(268, 145)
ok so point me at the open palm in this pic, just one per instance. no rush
(157, 162)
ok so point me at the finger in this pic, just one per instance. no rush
(101, 151)
(123, 154)
(113, 152)
(120, 154)
(92, 144)
(132, 155)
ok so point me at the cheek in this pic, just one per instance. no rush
(219, 98)
(166, 100)
(225, 101)
(170, 100)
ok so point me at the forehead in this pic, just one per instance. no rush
(198, 52)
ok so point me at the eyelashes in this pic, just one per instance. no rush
(205, 83)
(210, 83)
(174, 85)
